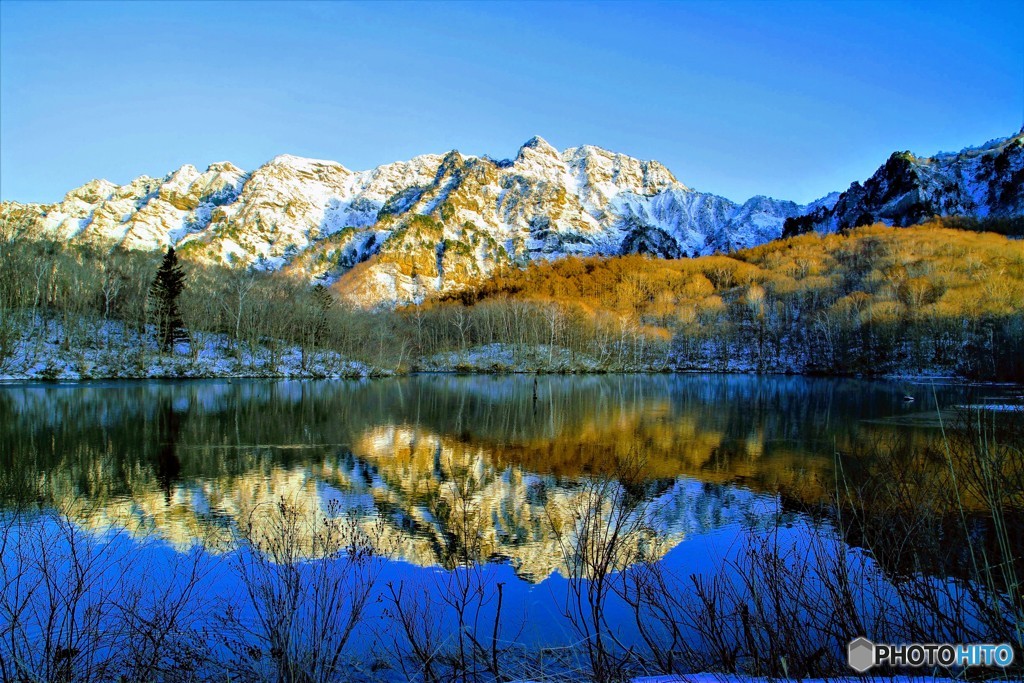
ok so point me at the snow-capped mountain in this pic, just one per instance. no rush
(404, 231)
(981, 182)
(416, 227)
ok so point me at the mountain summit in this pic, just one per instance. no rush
(982, 182)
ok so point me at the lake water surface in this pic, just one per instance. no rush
(439, 471)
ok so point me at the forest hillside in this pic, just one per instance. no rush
(874, 300)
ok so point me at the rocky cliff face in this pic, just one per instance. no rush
(981, 182)
(405, 231)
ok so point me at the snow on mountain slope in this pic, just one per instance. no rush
(405, 231)
(480, 214)
(980, 182)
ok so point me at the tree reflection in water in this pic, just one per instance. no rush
(491, 479)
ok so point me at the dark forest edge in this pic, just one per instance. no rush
(927, 300)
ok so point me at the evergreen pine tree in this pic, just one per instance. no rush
(168, 285)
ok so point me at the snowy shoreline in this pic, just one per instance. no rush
(115, 353)
(360, 371)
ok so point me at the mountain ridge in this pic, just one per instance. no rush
(408, 230)
(986, 181)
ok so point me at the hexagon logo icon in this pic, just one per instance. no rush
(860, 654)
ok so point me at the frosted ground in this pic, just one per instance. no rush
(117, 352)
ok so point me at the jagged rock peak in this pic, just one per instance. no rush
(980, 182)
(94, 191)
(451, 161)
(537, 145)
(303, 163)
(183, 176)
(635, 175)
(224, 167)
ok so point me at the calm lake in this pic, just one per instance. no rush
(435, 472)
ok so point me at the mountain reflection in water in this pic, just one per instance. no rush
(189, 462)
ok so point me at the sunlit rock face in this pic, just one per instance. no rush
(405, 231)
(980, 182)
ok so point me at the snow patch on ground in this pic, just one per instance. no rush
(112, 351)
(994, 407)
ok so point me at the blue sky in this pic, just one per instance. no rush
(786, 99)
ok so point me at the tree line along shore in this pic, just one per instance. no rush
(924, 300)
